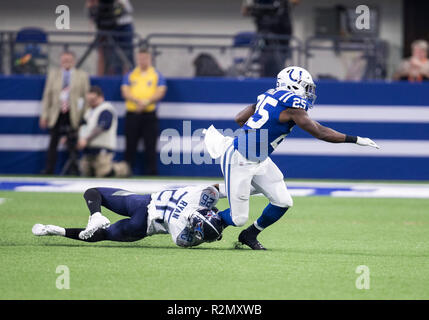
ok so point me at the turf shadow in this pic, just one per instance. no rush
(129, 246)
(356, 253)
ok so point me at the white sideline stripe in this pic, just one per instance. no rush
(227, 111)
(301, 192)
(385, 193)
(388, 148)
(80, 185)
(2, 200)
(358, 189)
(357, 185)
(295, 146)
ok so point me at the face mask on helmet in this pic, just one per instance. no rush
(309, 92)
(207, 226)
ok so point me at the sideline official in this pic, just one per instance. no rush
(142, 89)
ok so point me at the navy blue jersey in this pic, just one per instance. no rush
(263, 131)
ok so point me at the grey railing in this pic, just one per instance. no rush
(247, 63)
(373, 51)
(247, 52)
(13, 44)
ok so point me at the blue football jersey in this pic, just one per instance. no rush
(263, 132)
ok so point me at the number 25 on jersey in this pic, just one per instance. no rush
(261, 114)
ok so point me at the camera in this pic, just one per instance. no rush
(258, 8)
(104, 14)
(271, 16)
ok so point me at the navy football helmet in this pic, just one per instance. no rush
(206, 225)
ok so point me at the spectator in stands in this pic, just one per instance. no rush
(142, 89)
(124, 24)
(272, 19)
(415, 68)
(63, 105)
(97, 136)
(114, 16)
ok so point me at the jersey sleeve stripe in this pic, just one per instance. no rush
(287, 93)
(287, 97)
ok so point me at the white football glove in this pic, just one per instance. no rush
(366, 142)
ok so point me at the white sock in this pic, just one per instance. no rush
(257, 226)
(58, 231)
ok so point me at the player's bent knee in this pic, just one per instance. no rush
(285, 202)
(240, 221)
(239, 212)
(91, 193)
(289, 202)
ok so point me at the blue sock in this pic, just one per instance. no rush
(226, 217)
(270, 215)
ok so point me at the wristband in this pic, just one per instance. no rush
(350, 139)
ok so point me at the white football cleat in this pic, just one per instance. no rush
(47, 230)
(95, 222)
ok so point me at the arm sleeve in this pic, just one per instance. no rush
(161, 80)
(105, 119)
(86, 87)
(46, 100)
(126, 79)
(209, 197)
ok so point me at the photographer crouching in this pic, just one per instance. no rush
(97, 138)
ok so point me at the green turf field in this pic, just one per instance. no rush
(313, 254)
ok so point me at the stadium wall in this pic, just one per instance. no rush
(395, 115)
(206, 17)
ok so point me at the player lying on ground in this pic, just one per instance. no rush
(188, 214)
(245, 160)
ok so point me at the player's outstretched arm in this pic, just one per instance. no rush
(301, 118)
(242, 117)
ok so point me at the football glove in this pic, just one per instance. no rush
(366, 142)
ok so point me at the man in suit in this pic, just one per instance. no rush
(63, 105)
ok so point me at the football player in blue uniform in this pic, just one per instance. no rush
(245, 159)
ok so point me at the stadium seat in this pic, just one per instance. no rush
(28, 53)
(247, 63)
(244, 39)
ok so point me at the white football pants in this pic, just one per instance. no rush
(244, 177)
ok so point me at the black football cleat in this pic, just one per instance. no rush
(250, 240)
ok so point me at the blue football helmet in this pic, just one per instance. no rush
(206, 224)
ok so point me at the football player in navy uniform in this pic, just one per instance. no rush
(245, 159)
(188, 214)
